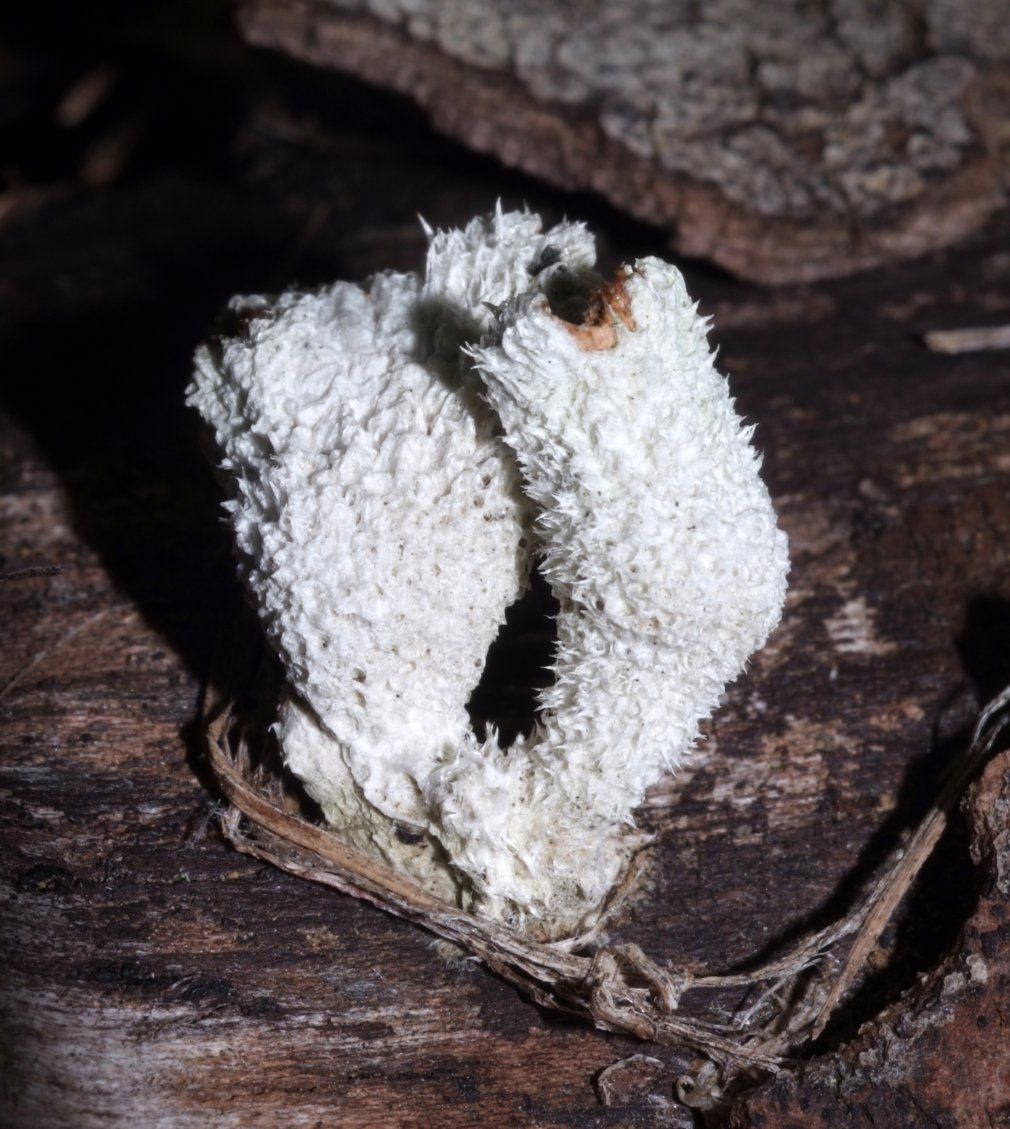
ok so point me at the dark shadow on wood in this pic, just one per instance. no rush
(945, 892)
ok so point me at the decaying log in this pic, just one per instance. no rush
(152, 975)
(939, 1056)
(618, 987)
(785, 142)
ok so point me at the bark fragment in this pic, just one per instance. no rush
(784, 142)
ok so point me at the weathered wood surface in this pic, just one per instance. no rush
(152, 977)
(939, 1055)
(783, 141)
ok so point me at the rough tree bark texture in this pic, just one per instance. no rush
(940, 1055)
(152, 977)
(783, 141)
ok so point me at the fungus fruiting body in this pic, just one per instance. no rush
(401, 454)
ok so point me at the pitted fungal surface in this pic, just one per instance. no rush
(401, 453)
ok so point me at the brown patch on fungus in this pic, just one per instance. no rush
(608, 305)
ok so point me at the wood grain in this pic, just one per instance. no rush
(935, 1057)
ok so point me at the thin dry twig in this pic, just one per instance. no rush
(974, 339)
(617, 987)
(883, 900)
(25, 572)
(67, 637)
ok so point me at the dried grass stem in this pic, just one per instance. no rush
(617, 987)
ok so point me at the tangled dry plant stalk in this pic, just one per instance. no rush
(617, 987)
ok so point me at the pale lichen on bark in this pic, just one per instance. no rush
(784, 141)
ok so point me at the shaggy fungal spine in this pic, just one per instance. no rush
(401, 452)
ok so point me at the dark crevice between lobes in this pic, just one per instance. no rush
(569, 290)
(518, 667)
(589, 306)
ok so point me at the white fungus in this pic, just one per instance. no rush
(401, 454)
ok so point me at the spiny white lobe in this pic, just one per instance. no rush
(384, 525)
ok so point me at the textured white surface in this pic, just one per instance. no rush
(384, 528)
